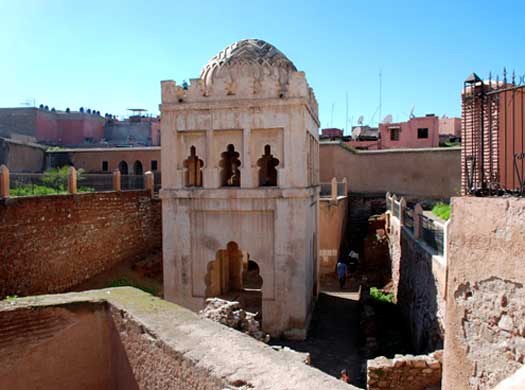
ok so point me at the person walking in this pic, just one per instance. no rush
(341, 273)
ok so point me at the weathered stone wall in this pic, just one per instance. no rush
(142, 342)
(51, 243)
(485, 310)
(405, 372)
(21, 156)
(418, 277)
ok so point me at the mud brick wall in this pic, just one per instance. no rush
(485, 310)
(405, 372)
(418, 278)
(49, 244)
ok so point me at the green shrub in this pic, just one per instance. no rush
(441, 210)
(34, 190)
(380, 296)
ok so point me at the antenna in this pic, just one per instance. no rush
(411, 115)
(360, 120)
(346, 119)
(380, 91)
(332, 116)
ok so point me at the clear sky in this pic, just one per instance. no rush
(111, 55)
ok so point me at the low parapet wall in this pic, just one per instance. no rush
(137, 341)
(51, 243)
(405, 372)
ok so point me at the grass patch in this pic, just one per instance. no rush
(125, 282)
(441, 210)
(39, 190)
(380, 296)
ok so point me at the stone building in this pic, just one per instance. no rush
(240, 163)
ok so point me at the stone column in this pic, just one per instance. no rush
(116, 180)
(334, 188)
(4, 182)
(418, 211)
(149, 182)
(247, 179)
(72, 180)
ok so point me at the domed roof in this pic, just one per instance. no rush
(247, 52)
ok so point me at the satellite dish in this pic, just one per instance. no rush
(388, 119)
(360, 120)
(411, 115)
(356, 132)
(444, 116)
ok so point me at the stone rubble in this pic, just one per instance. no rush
(231, 314)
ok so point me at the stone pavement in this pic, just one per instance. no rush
(333, 339)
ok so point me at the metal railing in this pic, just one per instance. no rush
(493, 136)
(408, 219)
(432, 234)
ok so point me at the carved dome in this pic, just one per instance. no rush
(252, 53)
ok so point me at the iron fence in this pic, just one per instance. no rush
(432, 234)
(27, 184)
(408, 219)
(493, 135)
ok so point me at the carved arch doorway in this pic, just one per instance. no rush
(233, 276)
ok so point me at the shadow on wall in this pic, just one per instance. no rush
(417, 295)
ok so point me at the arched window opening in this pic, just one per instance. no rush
(123, 167)
(137, 168)
(234, 277)
(267, 168)
(193, 165)
(230, 163)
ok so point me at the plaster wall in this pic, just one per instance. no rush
(485, 339)
(332, 219)
(432, 173)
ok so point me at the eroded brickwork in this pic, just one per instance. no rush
(51, 243)
(494, 329)
(405, 372)
(418, 282)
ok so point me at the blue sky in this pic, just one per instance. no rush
(111, 55)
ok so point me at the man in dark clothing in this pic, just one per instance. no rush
(341, 273)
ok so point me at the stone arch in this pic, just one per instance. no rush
(137, 168)
(230, 163)
(193, 165)
(123, 167)
(232, 275)
(267, 168)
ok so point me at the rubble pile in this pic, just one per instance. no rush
(231, 314)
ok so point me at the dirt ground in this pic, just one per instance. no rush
(333, 338)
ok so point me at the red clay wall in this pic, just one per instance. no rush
(49, 244)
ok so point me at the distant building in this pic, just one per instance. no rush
(332, 133)
(420, 132)
(449, 129)
(51, 127)
(364, 137)
(136, 130)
